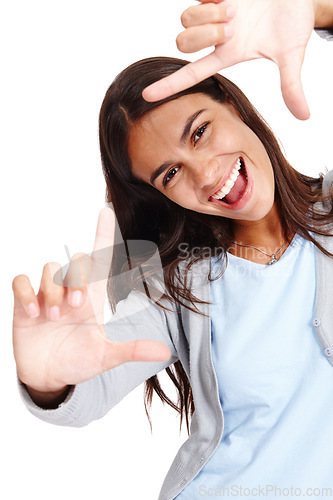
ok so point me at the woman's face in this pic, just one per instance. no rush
(194, 150)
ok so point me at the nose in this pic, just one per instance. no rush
(204, 172)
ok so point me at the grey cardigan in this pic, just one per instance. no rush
(188, 335)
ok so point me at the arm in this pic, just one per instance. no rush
(324, 14)
(278, 30)
(59, 338)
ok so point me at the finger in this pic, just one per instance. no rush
(76, 279)
(24, 296)
(206, 13)
(211, 1)
(186, 77)
(101, 258)
(103, 245)
(291, 84)
(52, 292)
(201, 37)
(117, 353)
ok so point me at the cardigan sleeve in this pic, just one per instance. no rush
(137, 317)
(326, 33)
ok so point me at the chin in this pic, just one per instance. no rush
(260, 211)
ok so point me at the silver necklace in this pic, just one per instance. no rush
(272, 256)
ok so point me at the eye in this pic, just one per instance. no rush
(169, 175)
(195, 138)
(199, 132)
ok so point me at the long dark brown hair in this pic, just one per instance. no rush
(144, 213)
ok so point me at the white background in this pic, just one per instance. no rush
(57, 61)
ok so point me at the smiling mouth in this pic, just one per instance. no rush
(234, 187)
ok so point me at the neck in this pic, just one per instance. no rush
(266, 234)
(259, 232)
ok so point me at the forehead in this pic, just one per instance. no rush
(153, 138)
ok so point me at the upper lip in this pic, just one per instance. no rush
(224, 179)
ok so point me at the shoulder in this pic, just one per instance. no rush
(196, 272)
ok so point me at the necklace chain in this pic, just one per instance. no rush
(272, 256)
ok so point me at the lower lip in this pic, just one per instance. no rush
(239, 204)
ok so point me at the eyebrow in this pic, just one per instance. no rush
(182, 141)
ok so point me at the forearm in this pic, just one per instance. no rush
(323, 13)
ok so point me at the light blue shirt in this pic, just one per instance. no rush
(275, 384)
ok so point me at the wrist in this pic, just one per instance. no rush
(323, 10)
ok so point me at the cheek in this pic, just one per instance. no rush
(227, 141)
(264, 179)
(182, 196)
(259, 157)
(234, 138)
(265, 188)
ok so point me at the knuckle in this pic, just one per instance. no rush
(20, 283)
(191, 74)
(51, 282)
(216, 34)
(80, 262)
(18, 280)
(53, 298)
(51, 267)
(74, 281)
(186, 17)
(52, 274)
(52, 289)
(221, 34)
(181, 42)
(75, 278)
(79, 255)
(221, 11)
(214, 12)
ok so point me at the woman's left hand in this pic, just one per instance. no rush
(278, 30)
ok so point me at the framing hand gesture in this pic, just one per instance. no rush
(61, 341)
(276, 29)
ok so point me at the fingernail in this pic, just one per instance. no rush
(54, 313)
(228, 31)
(76, 298)
(32, 310)
(230, 12)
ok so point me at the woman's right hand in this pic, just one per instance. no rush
(58, 335)
(278, 30)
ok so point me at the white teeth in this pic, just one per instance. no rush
(219, 195)
(225, 190)
(229, 182)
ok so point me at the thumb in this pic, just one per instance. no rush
(188, 76)
(291, 84)
(117, 353)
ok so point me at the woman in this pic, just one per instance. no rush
(236, 227)
(228, 190)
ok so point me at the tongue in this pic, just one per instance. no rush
(237, 189)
